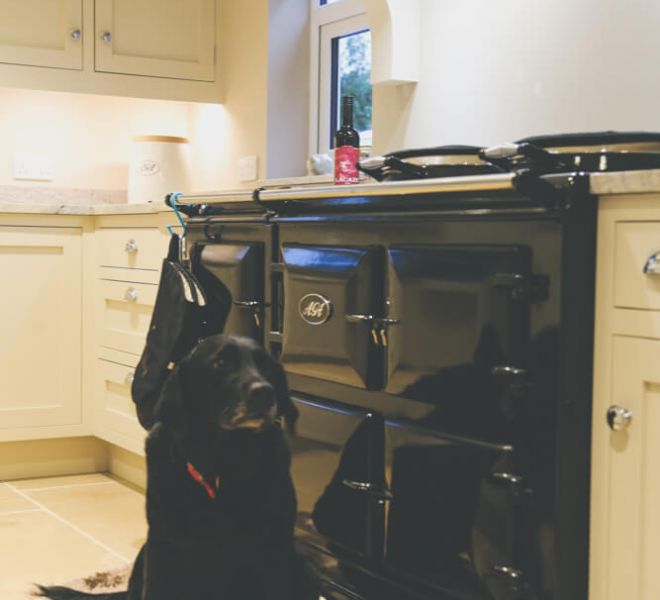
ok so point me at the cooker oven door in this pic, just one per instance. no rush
(452, 309)
(337, 468)
(331, 297)
(457, 518)
(240, 267)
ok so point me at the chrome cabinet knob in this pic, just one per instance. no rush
(106, 37)
(652, 266)
(618, 418)
(131, 247)
(131, 295)
(76, 34)
(128, 380)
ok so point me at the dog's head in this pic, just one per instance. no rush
(225, 383)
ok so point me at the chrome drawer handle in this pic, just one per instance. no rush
(128, 380)
(131, 247)
(618, 418)
(131, 295)
(652, 266)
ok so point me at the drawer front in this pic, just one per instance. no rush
(125, 314)
(116, 419)
(636, 245)
(132, 248)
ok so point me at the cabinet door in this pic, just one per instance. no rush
(158, 38)
(43, 33)
(115, 417)
(40, 327)
(626, 516)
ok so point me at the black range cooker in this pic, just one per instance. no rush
(437, 335)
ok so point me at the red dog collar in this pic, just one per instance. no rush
(197, 476)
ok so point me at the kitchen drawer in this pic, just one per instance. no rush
(125, 314)
(132, 248)
(635, 244)
(115, 418)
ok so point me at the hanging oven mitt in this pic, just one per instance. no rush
(183, 314)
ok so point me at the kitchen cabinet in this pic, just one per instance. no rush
(127, 263)
(38, 33)
(156, 38)
(41, 330)
(142, 48)
(625, 489)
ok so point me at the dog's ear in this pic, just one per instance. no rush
(285, 406)
(170, 408)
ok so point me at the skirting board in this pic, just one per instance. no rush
(52, 457)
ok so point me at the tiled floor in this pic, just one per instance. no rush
(60, 529)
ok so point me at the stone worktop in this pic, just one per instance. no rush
(70, 201)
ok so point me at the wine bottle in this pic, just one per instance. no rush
(347, 146)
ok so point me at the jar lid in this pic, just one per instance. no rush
(160, 138)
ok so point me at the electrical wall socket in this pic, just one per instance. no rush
(34, 168)
(248, 168)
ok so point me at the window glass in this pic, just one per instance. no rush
(351, 71)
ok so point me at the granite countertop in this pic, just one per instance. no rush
(42, 200)
(626, 182)
(81, 209)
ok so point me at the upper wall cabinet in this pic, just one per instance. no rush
(166, 49)
(44, 33)
(157, 38)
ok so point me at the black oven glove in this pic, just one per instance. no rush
(184, 313)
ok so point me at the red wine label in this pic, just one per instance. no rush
(346, 159)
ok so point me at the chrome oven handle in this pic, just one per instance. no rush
(368, 488)
(652, 266)
(247, 303)
(359, 318)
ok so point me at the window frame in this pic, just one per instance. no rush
(327, 21)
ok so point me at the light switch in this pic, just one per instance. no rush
(248, 168)
(34, 168)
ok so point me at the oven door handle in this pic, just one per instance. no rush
(370, 489)
(360, 318)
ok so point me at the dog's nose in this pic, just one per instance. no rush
(261, 397)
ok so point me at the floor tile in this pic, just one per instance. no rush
(112, 513)
(10, 501)
(37, 547)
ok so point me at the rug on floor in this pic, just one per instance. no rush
(115, 580)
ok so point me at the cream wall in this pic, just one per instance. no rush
(494, 71)
(88, 137)
(238, 128)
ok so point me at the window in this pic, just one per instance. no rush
(341, 65)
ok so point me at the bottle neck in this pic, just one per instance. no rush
(347, 115)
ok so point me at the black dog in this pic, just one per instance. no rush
(220, 501)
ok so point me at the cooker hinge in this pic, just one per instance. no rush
(379, 326)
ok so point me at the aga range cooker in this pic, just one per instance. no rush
(437, 335)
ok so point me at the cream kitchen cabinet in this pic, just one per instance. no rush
(38, 33)
(128, 259)
(157, 38)
(142, 48)
(625, 489)
(40, 331)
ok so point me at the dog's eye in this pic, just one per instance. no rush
(219, 363)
